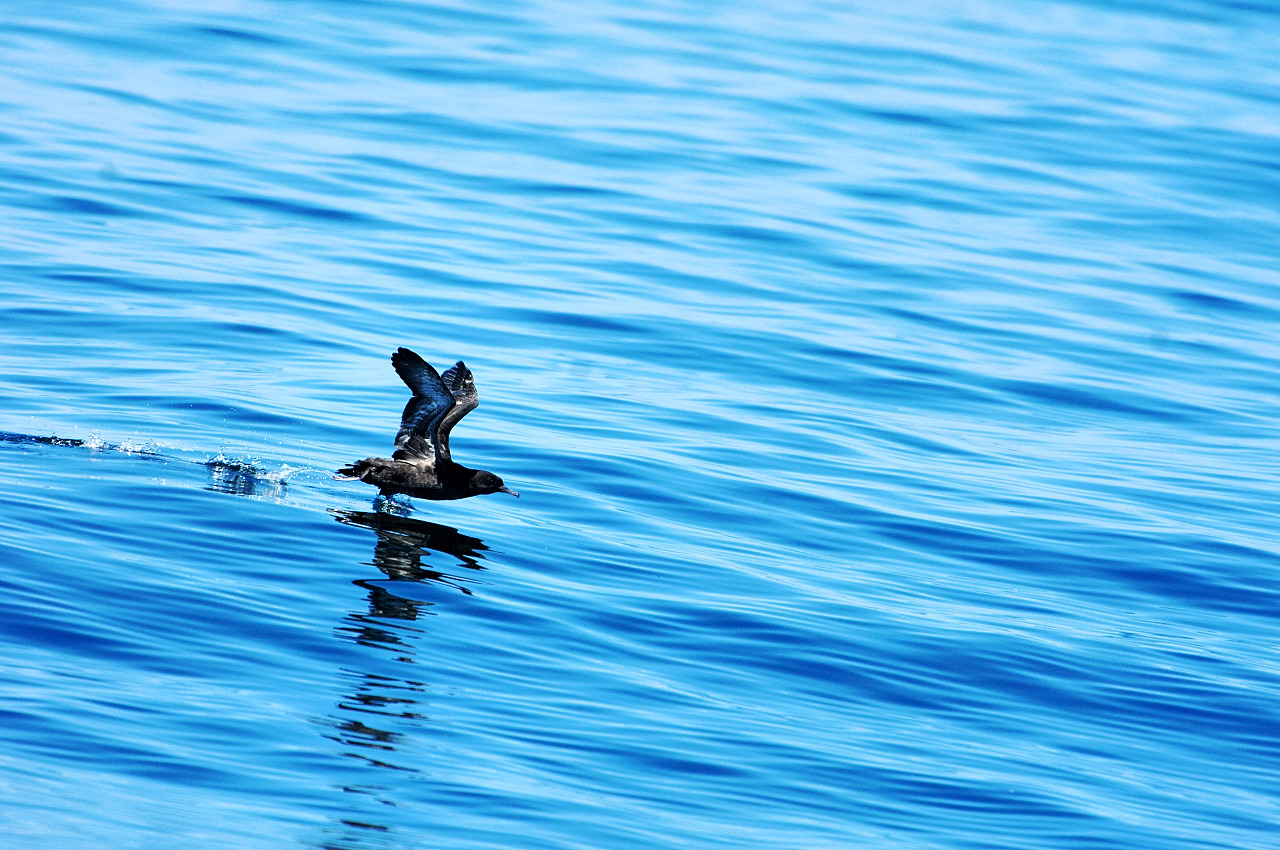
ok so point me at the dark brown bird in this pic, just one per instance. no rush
(421, 465)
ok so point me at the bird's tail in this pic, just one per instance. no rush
(359, 469)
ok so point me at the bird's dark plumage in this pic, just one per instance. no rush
(422, 465)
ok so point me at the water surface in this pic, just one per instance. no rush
(892, 395)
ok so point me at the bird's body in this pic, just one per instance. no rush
(422, 466)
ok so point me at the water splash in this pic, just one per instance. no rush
(247, 476)
(147, 447)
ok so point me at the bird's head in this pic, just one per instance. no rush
(486, 482)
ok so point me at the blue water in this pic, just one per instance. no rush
(892, 393)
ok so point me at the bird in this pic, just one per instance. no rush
(422, 466)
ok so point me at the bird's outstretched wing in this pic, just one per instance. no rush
(418, 440)
(460, 385)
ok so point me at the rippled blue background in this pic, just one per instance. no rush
(892, 392)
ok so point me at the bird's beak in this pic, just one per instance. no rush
(508, 490)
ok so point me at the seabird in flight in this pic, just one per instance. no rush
(421, 465)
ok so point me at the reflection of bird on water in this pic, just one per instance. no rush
(422, 465)
(386, 704)
(404, 542)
